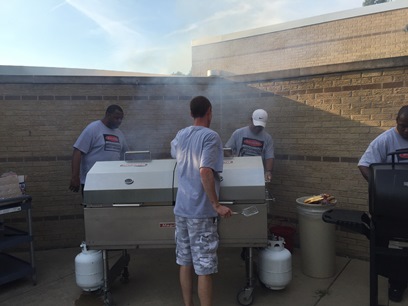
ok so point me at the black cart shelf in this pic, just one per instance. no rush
(13, 268)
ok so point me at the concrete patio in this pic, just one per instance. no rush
(153, 281)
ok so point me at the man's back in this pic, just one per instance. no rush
(195, 147)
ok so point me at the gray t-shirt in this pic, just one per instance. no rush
(387, 142)
(195, 147)
(97, 142)
(244, 142)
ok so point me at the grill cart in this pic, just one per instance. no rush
(129, 205)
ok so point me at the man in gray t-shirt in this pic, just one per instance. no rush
(101, 140)
(389, 141)
(253, 140)
(198, 151)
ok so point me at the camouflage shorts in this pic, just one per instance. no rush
(197, 244)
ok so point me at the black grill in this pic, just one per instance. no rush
(387, 224)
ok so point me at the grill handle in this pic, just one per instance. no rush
(397, 152)
(138, 156)
(127, 205)
(226, 202)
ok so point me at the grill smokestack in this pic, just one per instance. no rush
(213, 73)
(218, 73)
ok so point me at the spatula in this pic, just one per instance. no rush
(247, 212)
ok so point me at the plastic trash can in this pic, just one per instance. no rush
(317, 240)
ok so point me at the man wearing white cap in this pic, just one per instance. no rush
(253, 140)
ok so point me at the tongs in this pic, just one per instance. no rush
(247, 212)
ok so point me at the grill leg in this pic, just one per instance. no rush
(245, 295)
(125, 262)
(373, 268)
(249, 263)
(105, 271)
(107, 297)
(373, 286)
(30, 233)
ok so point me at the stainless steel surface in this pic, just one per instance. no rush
(129, 227)
(120, 182)
(130, 204)
(153, 227)
(243, 180)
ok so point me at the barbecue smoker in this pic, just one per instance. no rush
(129, 204)
(386, 225)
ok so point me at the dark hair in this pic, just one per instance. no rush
(199, 106)
(403, 111)
(112, 108)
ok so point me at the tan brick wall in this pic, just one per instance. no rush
(321, 124)
(367, 37)
(42, 118)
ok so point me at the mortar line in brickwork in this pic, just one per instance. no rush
(308, 158)
(316, 158)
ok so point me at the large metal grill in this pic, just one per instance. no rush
(129, 204)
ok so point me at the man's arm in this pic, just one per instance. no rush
(207, 179)
(173, 150)
(365, 172)
(268, 169)
(231, 144)
(75, 167)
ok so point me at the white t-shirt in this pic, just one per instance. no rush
(387, 142)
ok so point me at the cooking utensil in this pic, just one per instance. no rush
(247, 212)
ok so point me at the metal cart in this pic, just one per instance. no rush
(12, 267)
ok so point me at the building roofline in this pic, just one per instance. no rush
(365, 10)
(59, 71)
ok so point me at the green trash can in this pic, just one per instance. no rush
(317, 240)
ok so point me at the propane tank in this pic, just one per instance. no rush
(89, 269)
(275, 265)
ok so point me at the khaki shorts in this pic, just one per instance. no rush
(197, 243)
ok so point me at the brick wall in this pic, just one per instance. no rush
(363, 37)
(321, 122)
(43, 116)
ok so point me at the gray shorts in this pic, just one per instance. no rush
(197, 244)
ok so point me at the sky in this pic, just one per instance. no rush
(148, 36)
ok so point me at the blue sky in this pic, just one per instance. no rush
(150, 36)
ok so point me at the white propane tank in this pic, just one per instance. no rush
(275, 265)
(89, 269)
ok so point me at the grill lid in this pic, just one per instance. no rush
(120, 182)
(151, 182)
(243, 180)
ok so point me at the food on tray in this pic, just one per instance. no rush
(323, 198)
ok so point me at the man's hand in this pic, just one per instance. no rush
(75, 184)
(268, 176)
(223, 211)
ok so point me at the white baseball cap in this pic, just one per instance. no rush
(259, 117)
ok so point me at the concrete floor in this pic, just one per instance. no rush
(153, 281)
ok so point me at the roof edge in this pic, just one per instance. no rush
(364, 10)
